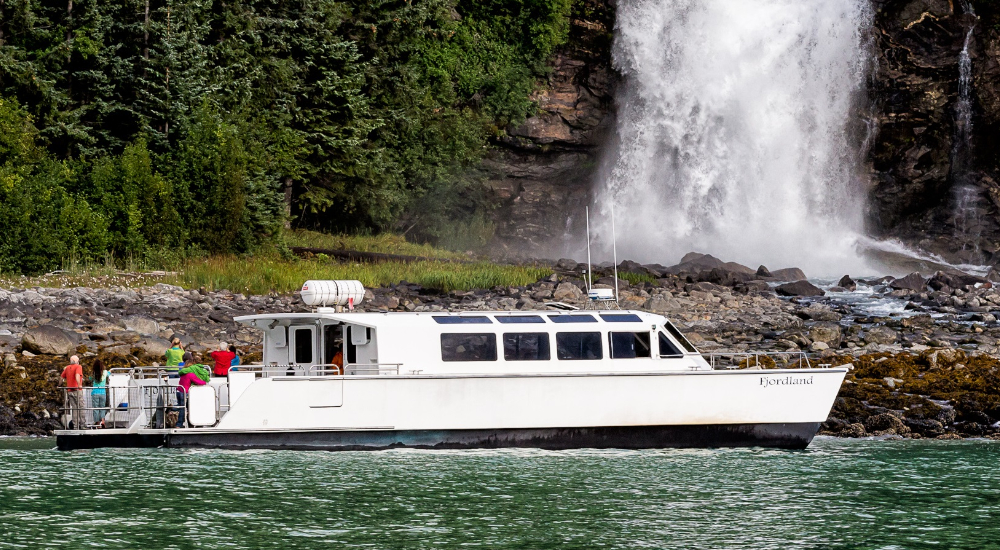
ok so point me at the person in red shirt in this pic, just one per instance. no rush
(223, 360)
(73, 375)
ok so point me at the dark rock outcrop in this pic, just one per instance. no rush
(799, 288)
(847, 283)
(542, 168)
(913, 281)
(48, 339)
(927, 190)
(789, 274)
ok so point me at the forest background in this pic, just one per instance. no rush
(150, 131)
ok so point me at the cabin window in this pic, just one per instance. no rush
(679, 337)
(468, 347)
(526, 346)
(579, 345)
(515, 319)
(667, 348)
(572, 318)
(621, 317)
(462, 320)
(303, 341)
(629, 345)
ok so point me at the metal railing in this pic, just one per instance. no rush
(118, 406)
(144, 372)
(372, 369)
(759, 360)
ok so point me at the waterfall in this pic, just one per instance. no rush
(968, 224)
(736, 134)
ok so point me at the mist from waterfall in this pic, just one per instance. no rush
(734, 134)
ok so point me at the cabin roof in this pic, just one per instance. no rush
(427, 318)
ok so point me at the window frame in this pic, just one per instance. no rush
(491, 336)
(679, 337)
(635, 336)
(594, 334)
(548, 346)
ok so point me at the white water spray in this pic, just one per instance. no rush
(733, 131)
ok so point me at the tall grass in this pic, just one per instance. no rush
(636, 278)
(260, 275)
(385, 243)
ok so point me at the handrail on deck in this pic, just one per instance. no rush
(752, 360)
(372, 368)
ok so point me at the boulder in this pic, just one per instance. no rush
(49, 340)
(142, 325)
(789, 274)
(566, 264)
(661, 304)
(828, 333)
(763, 272)
(913, 282)
(799, 288)
(153, 347)
(847, 283)
(628, 266)
(885, 424)
(567, 292)
(125, 336)
(854, 430)
(818, 312)
(880, 335)
(693, 262)
(724, 276)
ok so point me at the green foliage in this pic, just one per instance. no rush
(261, 274)
(155, 128)
(137, 201)
(637, 278)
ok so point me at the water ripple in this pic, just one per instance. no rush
(836, 494)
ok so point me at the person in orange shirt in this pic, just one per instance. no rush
(73, 375)
(338, 360)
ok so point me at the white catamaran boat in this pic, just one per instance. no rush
(545, 379)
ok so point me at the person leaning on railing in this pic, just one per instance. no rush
(98, 395)
(190, 374)
(73, 375)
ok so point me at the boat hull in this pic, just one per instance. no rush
(776, 435)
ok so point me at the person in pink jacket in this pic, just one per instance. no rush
(183, 386)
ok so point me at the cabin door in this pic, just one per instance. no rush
(302, 351)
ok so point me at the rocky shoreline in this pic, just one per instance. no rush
(927, 368)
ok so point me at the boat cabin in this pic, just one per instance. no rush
(362, 343)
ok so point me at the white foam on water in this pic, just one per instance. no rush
(733, 133)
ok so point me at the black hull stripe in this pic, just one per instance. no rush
(785, 435)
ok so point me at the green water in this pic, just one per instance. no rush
(836, 494)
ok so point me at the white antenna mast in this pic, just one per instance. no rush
(590, 278)
(614, 248)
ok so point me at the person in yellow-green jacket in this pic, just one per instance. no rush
(174, 355)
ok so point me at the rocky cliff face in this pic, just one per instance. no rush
(932, 185)
(542, 170)
(928, 187)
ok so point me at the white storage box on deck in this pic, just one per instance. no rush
(202, 406)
